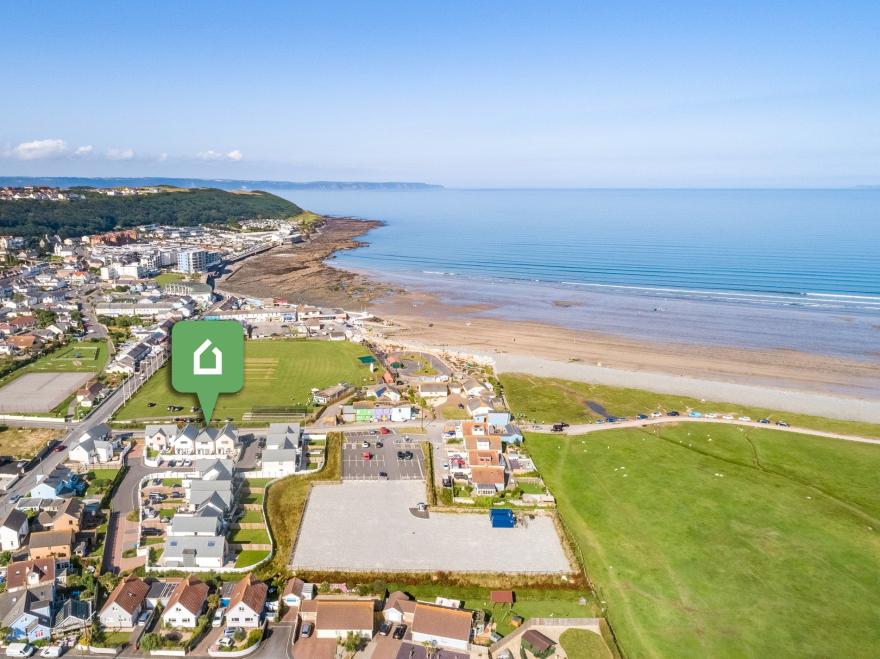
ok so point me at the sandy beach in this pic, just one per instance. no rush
(787, 380)
(783, 379)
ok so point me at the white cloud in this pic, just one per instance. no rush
(39, 149)
(234, 155)
(84, 150)
(162, 157)
(120, 154)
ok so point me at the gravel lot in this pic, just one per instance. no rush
(40, 392)
(367, 526)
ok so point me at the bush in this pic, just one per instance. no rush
(151, 642)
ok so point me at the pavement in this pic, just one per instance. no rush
(379, 528)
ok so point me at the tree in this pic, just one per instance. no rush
(351, 642)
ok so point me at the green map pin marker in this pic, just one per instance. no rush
(207, 359)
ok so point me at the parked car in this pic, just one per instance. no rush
(226, 642)
(232, 631)
(307, 629)
(642, 417)
(656, 415)
(745, 418)
(368, 455)
(557, 427)
(177, 495)
(218, 617)
(143, 617)
(385, 628)
(52, 651)
(400, 632)
(782, 424)
(59, 448)
(695, 414)
(383, 474)
(728, 417)
(365, 444)
(374, 432)
(384, 431)
(408, 455)
(764, 421)
(379, 444)
(673, 413)
(400, 455)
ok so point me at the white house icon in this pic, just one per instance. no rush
(198, 369)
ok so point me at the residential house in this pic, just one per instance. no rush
(190, 552)
(160, 437)
(72, 616)
(433, 390)
(479, 406)
(296, 591)
(94, 446)
(44, 544)
(339, 618)
(399, 608)
(246, 603)
(27, 614)
(331, 394)
(184, 441)
(197, 524)
(124, 605)
(384, 391)
(283, 435)
(13, 530)
(488, 481)
(30, 574)
(275, 463)
(441, 626)
(59, 482)
(67, 516)
(160, 593)
(87, 395)
(473, 388)
(186, 603)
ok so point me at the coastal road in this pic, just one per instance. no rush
(582, 429)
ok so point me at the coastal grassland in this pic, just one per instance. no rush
(721, 541)
(548, 400)
(26, 442)
(276, 374)
(286, 502)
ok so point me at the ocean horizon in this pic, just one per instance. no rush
(791, 269)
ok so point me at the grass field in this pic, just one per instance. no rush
(719, 541)
(548, 400)
(26, 442)
(169, 278)
(251, 517)
(250, 557)
(250, 536)
(277, 374)
(583, 644)
(76, 357)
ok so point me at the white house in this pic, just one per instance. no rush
(125, 604)
(205, 552)
(296, 591)
(14, 530)
(94, 446)
(442, 626)
(246, 603)
(186, 603)
(276, 463)
(433, 390)
(160, 437)
(473, 388)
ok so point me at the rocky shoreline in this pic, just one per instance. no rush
(298, 273)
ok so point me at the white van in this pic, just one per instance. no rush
(19, 650)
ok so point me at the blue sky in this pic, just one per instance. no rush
(463, 94)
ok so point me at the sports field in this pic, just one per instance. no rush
(719, 541)
(77, 357)
(277, 374)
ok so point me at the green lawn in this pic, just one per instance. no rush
(719, 541)
(256, 483)
(250, 557)
(252, 517)
(169, 278)
(250, 536)
(277, 374)
(172, 482)
(530, 602)
(583, 644)
(252, 497)
(100, 480)
(548, 400)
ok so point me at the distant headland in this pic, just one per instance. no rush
(223, 184)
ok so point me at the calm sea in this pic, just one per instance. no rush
(761, 268)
